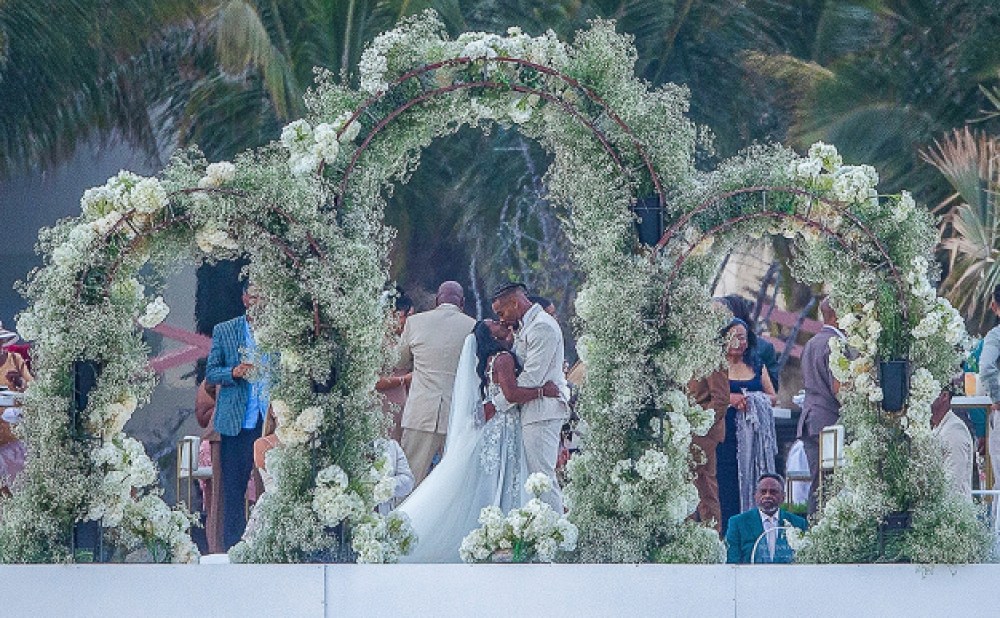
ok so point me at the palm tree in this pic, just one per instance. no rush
(915, 76)
(72, 70)
(970, 161)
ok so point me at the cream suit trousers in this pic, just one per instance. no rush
(541, 449)
(420, 448)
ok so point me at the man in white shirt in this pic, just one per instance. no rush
(538, 344)
(956, 439)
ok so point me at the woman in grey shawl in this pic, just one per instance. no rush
(749, 447)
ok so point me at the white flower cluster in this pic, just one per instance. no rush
(640, 484)
(853, 361)
(482, 46)
(824, 170)
(333, 501)
(108, 420)
(924, 389)
(123, 193)
(381, 477)
(383, 540)
(298, 430)
(308, 145)
(127, 469)
(686, 419)
(156, 312)
(159, 528)
(217, 174)
(532, 533)
(211, 238)
(939, 315)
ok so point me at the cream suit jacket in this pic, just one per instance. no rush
(429, 347)
(539, 346)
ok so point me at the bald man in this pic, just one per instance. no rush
(821, 407)
(430, 346)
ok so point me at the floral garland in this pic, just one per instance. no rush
(847, 237)
(308, 210)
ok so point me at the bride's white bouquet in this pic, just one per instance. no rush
(532, 533)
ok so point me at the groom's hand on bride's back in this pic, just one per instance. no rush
(549, 389)
(489, 410)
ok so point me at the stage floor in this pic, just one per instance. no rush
(215, 591)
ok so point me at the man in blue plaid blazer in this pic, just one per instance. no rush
(240, 408)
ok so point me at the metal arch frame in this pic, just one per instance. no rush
(173, 220)
(590, 94)
(840, 207)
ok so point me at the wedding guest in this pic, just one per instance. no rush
(547, 305)
(241, 372)
(14, 376)
(400, 471)
(957, 441)
(394, 388)
(820, 408)
(742, 309)
(711, 393)
(745, 529)
(747, 375)
(209, 455)
(429, 348)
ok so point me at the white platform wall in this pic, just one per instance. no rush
(216, 591)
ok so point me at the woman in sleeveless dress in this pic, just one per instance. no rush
(483, 463)
(746, 374)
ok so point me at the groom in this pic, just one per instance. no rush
(538, 344)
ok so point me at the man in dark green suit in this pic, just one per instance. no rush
(746, 528)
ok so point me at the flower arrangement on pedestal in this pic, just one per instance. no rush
(532, 533)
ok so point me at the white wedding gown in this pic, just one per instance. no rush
(483, 465)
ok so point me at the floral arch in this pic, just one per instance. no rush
(308, 211)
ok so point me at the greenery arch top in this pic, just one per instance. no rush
(308, 210)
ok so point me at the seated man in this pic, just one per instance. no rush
(744, 529)
(956, 439)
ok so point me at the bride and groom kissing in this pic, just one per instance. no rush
(508, 406)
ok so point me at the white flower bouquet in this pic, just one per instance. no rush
(532, 533)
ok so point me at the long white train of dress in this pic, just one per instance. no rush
(483, 465)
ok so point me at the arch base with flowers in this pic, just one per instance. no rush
(308, 213)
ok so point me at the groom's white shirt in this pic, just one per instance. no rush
(538, 344)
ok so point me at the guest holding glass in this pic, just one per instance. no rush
(747, 375)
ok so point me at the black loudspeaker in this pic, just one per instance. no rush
(649, 227)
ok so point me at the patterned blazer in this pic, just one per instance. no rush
(231, 403)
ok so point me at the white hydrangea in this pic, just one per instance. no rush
(827, 156)
(310, 419)
(148, 197)
(538, 484)
(98, 202)
(217, 174)
(332, 475)
(327, 147)
(855, 183)
(156, 312)
(653, 465)
(211, 237)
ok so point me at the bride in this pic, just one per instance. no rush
(483, 463)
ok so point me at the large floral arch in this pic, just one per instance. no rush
(308, 211)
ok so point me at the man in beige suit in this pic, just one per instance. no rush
(429, 347)
(538, 344)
